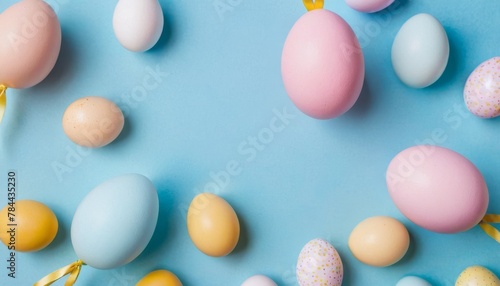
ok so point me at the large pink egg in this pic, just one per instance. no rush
(30, 41)
(322, 65)
(437, 188)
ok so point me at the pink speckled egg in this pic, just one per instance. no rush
(368, 6)
(319, 264)
(482, 90)
(437, 188)
(322, 65)
(30, 41)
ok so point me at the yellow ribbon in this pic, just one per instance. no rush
(485, 224)
(73, 270)
(3, 100)
(313, 4)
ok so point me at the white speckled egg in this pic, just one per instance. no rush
(477, 276)
(319, 264)
(482, 90)
(420, 51)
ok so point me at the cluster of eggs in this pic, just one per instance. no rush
(421, 179)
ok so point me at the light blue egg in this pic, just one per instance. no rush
(412, 281)
(115, 221)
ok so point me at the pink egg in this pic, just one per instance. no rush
(482, 90)
(322, 65)
(437, 188)
(30, 41)
(368, 6)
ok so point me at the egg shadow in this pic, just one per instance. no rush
(362, 106)
(244, 240)
(454, 61)
(125, 133)
(164, 227)
(168, 34)
(349, 276)
(63, 70)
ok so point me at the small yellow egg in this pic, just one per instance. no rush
(159, 278)
(27, 226)
(379, 241)
(213, 225)
(477, 276)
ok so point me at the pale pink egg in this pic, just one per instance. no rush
(322, 65)
(368, 6)
(482, 90)
(30, 41)
(437, 188)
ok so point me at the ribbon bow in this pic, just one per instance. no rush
(485, 224)
(313, 4)
(73, 270)
(3, 100)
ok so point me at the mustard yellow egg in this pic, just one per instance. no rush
(213, 225)
(477, 276)
(159, 278)
(27, 226)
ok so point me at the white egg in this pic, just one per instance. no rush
(412, 281)
(420, 51)
(138, 24)
(259, 280)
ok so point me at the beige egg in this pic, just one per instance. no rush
(213, 225)
(477, 276)
(379, 241)
(92, 121)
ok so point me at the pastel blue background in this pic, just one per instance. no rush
(314, 179)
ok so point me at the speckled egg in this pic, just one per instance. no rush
(482, 90)
(93, 121)
(477, 276)
(319, 264)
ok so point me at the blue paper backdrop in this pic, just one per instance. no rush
(218, 86)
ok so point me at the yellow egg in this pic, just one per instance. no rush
(159, 278)
(477, 276)
(213, 225)
(379, 241)
(27, 226)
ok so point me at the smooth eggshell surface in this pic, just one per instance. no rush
(159, 278)
(213, 225)
(115, 221)
(138, 24)
(420, 51)
(482, 90)
(259, 280)
(36, 225)
(368, 6)
(322, 65)
(477, 276)
(379, 241)
(437, 188)
(319, 263)
(412, 281)
(30, 41)
(92, 121)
